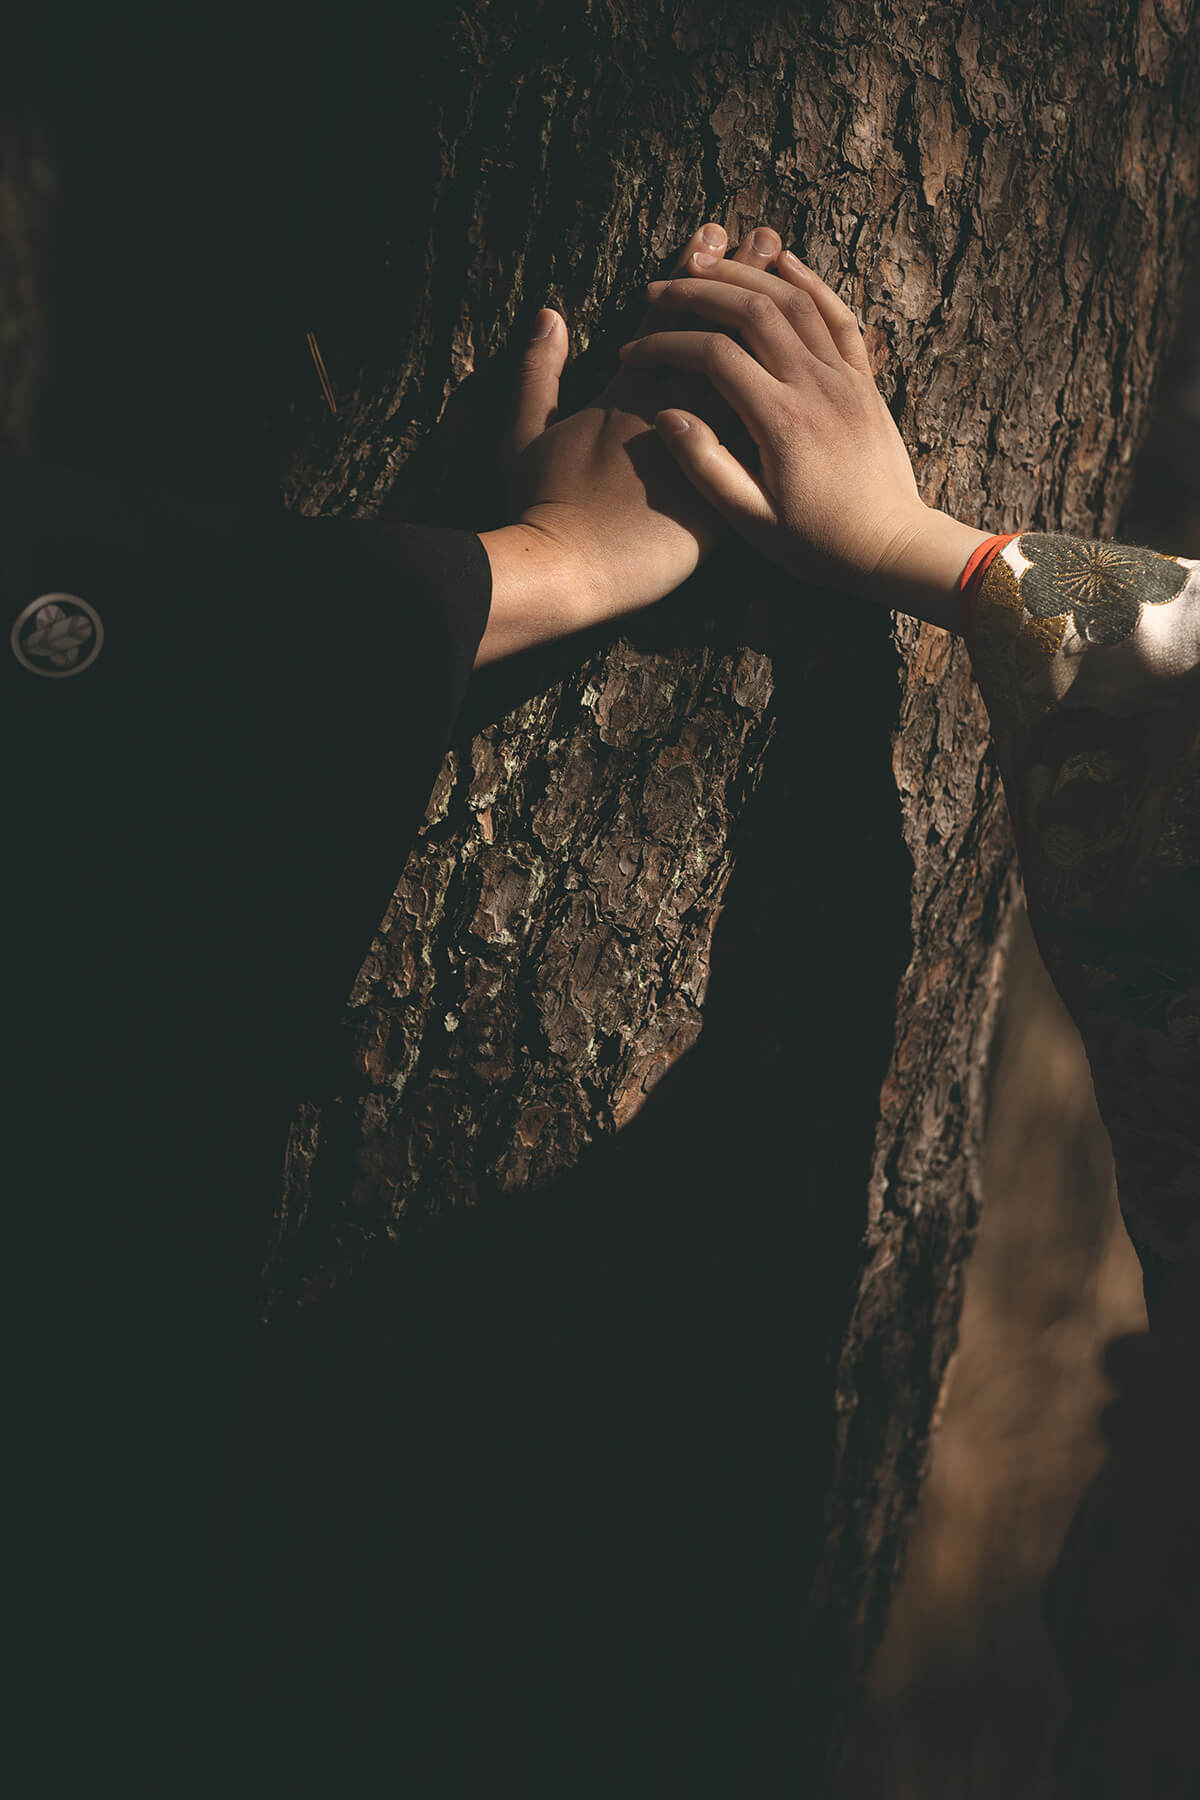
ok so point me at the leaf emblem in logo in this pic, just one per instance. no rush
(57, 635)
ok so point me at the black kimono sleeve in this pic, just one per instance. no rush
(222, 733)
(226, 730)
(222, 730)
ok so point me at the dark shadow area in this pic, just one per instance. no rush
(551, 1470)
(213, 166)
(533, 1502)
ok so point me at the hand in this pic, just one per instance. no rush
(599, 486)
(835, 499)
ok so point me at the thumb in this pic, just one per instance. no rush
(535, 402)
(714, 471)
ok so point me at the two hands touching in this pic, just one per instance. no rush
(616, 505)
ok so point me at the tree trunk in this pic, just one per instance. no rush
(612, 1291)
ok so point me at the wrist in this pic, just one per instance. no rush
(922, 569)
(539, 591)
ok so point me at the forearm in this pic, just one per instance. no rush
(925, 569)
(538, 592)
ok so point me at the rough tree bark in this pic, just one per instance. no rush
(613, 1288)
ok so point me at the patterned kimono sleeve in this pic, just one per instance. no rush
(1087, 655)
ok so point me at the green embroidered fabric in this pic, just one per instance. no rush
(1102, 586)
(1088, 658)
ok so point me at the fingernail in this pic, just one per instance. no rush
(673, 423)
(704, 259)
(629, 348)
(656, 289)
(713, 236)
(790, 260)
(543, 325)
(763, 243)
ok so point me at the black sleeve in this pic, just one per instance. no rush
(228, 727)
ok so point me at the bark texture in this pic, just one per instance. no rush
(612, 1293)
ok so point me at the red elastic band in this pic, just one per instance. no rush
(971, 580)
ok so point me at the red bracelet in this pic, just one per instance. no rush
(971, 580)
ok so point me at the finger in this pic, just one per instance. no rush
(737, 376)
(840, 320)
(535, 399)
(776, 331)
(714, 471)
(709, 240)
(757, 249)
(720, 417)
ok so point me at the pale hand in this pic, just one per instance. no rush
(607, 522)
(834, 500)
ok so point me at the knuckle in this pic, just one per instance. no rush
(719, 351)
(759, 308)
(798, 317)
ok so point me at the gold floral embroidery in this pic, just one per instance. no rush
(1013, 651)
(1103, 586)
(1088, 765)
(1011, 644)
